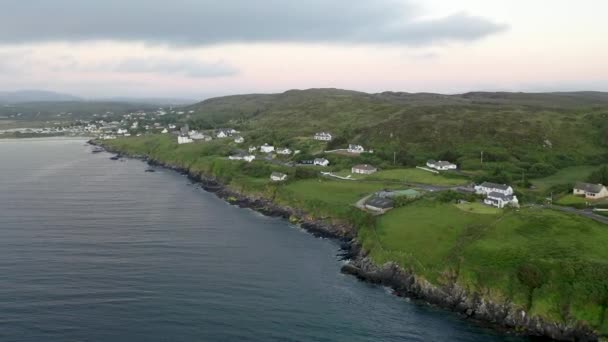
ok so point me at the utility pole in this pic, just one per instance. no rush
(394, 158)
(482, 159)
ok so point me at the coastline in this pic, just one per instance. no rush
(404, 283)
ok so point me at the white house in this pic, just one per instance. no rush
(590, 191)
(321, 162)
(323, 136)
(241, 156)
(181, 139)
(164, 131)
(355, 148)
(253, 149)
(500, 200)
(486, 188)
(239, 140)
(267, 148)
(222, 134)
(284, 151)
(122, 131)
(278, 177)
(172, 126)
(364, 169)
(134, 125)
(108, 137)
(199, 136)
(441, 165)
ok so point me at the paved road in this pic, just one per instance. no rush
(581, 212)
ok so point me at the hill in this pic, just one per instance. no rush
(22, 96)
(520, 134)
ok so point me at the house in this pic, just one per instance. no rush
(267, 148)
(284, 151)
(321, 162)
(222, 134)
(226, 132)
(242, 156)
(122, 131)
(364, 169)
(199, 136)
(182, 139)
(486, 188)
(441, 165)
(500, 200)
(253, 149)
(307, 162)
(172, 126)
(323, 136)
(590, 191)
(184, 130)
(239, 140)
(355, 148)
(164, 131)
(379, 204)
(278, 177)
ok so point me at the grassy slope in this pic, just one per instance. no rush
(486, 253)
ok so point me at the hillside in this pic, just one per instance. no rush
(22, 96)
(534, 134)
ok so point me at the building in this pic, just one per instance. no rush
(239, 140)
(181, 139)
(226, 132)
(321, 162)
(379, 204)
(253, 149)
(486, 188)
(284, 151)
(323, 136)
(164, 131)
(122, 131)
(500, 200)
(590, 191)
(364, 169)
(184, 130)
(199, 136)
(441, 165)
(242, 156)
(278, 177)
(355, 148)
(267, 148)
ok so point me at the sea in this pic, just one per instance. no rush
(93, 249)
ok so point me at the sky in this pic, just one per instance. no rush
(204, 48)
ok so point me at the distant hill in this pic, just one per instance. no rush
(23, 96)
(518, 132)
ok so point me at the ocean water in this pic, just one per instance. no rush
(98, 250)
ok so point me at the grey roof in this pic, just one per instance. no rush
(495, 186)
(443, 163)
(593, 188)
(498, 195)
(379, 202)
(431, 161)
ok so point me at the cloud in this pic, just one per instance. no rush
(206, 22)
(183, 66)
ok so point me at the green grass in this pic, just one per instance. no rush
(569, 175)
(478, 208)
(487, 253)
(417, 176)
(572, 201)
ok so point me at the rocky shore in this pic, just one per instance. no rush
(504, 316)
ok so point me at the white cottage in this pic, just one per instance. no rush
(323, 136)
(267, 148)
(441, 165)
(352, 148)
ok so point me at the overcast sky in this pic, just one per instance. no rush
(201, 48)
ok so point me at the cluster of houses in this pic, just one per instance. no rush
(497, 195)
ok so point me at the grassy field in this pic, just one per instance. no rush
(569, 175)
(478, 208)
(418, 176)
(550, 263)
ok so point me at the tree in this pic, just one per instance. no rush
(600, 176)
(533, 278)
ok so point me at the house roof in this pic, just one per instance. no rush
(495, 186)
(587, 187)
(443, 163)
(320, 160)
(431, 161)
(379, 202)
(364, 167)
(498, 195)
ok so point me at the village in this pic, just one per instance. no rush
(485, 193)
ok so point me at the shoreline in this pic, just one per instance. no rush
(505, 317)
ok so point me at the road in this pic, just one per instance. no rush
(581, 212)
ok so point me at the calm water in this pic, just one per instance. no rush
(97, 250)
